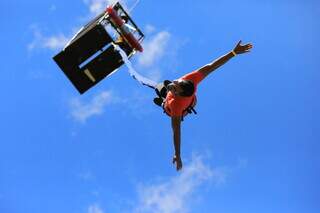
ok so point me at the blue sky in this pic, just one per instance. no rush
(253, 147)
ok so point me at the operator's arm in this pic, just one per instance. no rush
(176, 127)
(239, 49)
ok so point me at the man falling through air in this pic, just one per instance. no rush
(179, 96)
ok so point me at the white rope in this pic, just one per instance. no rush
(141, 79)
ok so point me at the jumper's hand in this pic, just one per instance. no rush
(240, 49)
(177, 160)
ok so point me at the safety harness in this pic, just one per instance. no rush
(162, 91)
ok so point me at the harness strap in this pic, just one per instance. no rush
(190, 109)
(161, 92)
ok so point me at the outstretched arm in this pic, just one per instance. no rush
(176, 127)
(239, 49)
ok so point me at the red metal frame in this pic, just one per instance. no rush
(128, 36)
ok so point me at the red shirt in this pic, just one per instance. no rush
(175, 105)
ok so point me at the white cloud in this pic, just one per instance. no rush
(176, 194)
(58, 41)
(82, 111)
(149, 29)
(52, 42)
(87, 176)
(95, 208)
(154, 49)
(53, 8)
(55, 42)
(97, 6)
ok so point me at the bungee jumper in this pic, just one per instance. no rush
(92, 54)
(178, 97)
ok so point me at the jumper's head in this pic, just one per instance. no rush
(179, 87)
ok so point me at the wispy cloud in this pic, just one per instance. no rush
(58, 41)
(97, 6)
(176, 194)
(154, 48)
(86, 176)
(53, 8)
(82, 111)
(40, 41)
(149, 29)
(95, 208)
